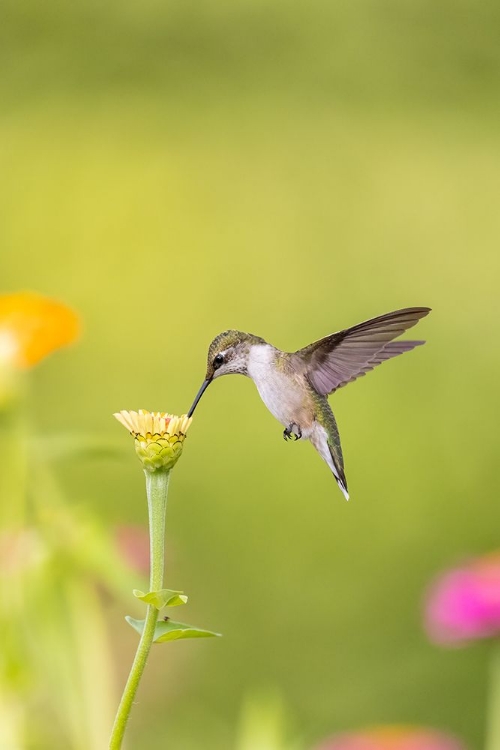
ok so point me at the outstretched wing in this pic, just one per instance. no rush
(342, 357)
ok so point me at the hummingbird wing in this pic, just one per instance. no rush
(340, 358)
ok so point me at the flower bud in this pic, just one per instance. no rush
(159, 437)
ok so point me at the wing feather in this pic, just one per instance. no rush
(340, 358)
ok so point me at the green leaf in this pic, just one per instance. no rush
(162, 598)
(169, 630)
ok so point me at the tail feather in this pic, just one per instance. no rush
(338, 473)
(327, 443)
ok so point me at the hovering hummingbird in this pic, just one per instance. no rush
(294, 386)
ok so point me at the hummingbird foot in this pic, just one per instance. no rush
(292, 429)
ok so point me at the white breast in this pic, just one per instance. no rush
(280, 394)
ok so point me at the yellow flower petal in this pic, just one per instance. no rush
(159, 436)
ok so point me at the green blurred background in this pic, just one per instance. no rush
(175, 169)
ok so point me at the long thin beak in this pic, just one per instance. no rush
(200, 393)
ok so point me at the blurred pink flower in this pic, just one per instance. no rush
(133, 547)
(464, 603)
(393, 738)
(20, 550)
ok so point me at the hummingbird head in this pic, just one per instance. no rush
(228, 353)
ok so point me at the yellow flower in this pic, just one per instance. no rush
(33, 326)
(159, 437)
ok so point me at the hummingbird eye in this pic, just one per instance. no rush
(218, 360)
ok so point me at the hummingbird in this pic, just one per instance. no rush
(294, 385)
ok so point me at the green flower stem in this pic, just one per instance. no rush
(157, 491)
(493, 727)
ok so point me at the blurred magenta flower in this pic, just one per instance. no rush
(463, 604)
(393, 738)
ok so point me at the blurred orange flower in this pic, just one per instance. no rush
(33, 326)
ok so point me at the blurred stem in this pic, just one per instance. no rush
(493, 727)
(157, 491)
(71, 655)
(14, 475)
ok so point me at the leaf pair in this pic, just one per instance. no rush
(167, 629)
(162, 598)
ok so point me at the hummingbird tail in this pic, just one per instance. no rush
(338, 473)
(327, 443)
